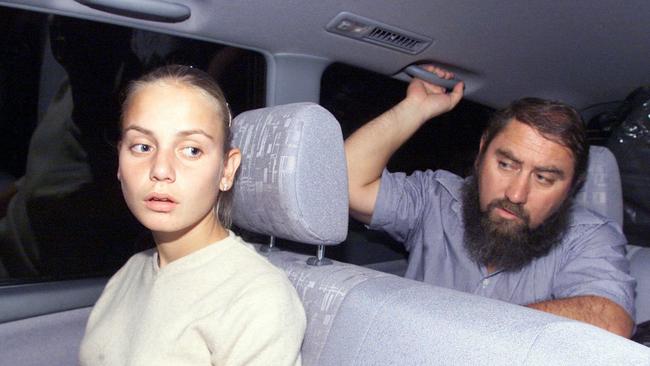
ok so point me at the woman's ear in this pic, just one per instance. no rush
(231, 164)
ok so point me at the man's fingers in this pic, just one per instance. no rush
(426, 88)
(434, 89)
(456, 93)
(440, 72)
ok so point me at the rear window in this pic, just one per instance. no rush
(61, 80)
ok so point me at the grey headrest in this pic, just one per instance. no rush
(602, 189)
(292, 181)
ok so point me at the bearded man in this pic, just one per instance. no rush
(510, 231)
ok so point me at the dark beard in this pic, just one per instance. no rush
(502, 244)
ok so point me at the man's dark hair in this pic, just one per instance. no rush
(555, 121)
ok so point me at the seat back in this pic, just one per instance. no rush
(601, 191)
(292, 184)
(359, 316)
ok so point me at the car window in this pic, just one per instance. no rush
(61, 79)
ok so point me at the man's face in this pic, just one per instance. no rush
(516, 207)
(523, 178)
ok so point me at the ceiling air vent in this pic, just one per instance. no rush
(367, 30)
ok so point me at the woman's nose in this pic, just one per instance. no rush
(162, 169)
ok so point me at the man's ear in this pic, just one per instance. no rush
(231, 164)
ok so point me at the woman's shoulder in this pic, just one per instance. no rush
(260, 272)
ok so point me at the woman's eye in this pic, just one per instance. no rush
(141, 148)
(191, 152)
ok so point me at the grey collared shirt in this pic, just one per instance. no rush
(423, 211)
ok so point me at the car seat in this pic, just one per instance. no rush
(602, 193)
(293, 185)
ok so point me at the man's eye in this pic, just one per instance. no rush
(191, 152)
(505, 165)
(544, 180)
(141, 148)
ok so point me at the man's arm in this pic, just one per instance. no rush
(595, 310)
(370, 147)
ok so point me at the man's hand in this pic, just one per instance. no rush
(425, 100)
(369, 148)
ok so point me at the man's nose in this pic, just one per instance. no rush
(518, 189)
(162, 168)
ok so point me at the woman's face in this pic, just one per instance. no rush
(171, 161)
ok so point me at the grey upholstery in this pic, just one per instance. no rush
(292, 180)
(359, 316)
(52, 339)
(322, 290)
(602, 193)
(395, 321)
(602, 189)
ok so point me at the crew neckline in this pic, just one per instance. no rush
(196, 258)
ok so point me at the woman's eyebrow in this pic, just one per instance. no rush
(197, 131)
(184, 133)
(138, 129)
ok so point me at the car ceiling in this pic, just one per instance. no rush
(583, 52)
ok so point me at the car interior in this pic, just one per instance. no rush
(300, 78)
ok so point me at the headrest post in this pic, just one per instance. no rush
(320, 259)
(271, 247)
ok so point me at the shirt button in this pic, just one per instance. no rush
(486, 282)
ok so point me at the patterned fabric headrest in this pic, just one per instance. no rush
(292, 182)
(602, 189)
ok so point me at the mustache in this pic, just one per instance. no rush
(514, 208)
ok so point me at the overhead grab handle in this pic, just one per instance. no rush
(155, 10)
(416, 71)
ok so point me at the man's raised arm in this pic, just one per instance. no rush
(371, 146)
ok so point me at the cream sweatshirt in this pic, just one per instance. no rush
(221, 305)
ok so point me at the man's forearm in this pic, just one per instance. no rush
(368, 150)
(594, 310)
(371, 146)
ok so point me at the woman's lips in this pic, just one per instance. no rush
(160, 202)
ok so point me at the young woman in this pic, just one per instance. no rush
(202, 296)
